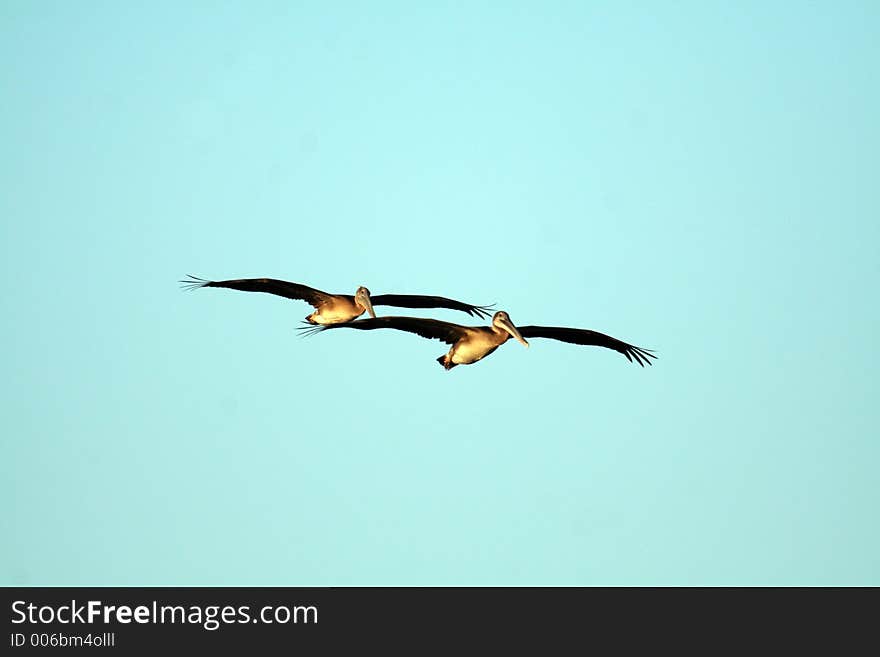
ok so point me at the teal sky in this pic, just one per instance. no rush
(695, 177)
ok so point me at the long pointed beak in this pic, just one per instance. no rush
(510, 328)
(364, 300)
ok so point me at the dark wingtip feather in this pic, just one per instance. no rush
(309, 329)
(642, 356)
(193, 283)
(483, 312)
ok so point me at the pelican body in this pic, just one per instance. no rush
(471, 344)
(337, 308)
(477, 342)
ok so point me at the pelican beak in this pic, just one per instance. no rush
(508, 326)
(363, 299)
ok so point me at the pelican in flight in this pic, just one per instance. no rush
(473, 343)
(337, 308)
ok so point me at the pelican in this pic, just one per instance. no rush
(336, 308)
(473, 343)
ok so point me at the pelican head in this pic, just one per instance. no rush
(502, 321)
(362, 298)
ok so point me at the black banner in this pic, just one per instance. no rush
(123, 620)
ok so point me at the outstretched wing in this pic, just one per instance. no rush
(426, 328)
(421, 301)
(269, 285)
(587, 337)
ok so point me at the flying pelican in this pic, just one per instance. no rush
(337, 308)
(473, 343)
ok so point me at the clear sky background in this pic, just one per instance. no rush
(700, 178)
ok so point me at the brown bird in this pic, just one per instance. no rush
(473, 343)
(337, 308)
